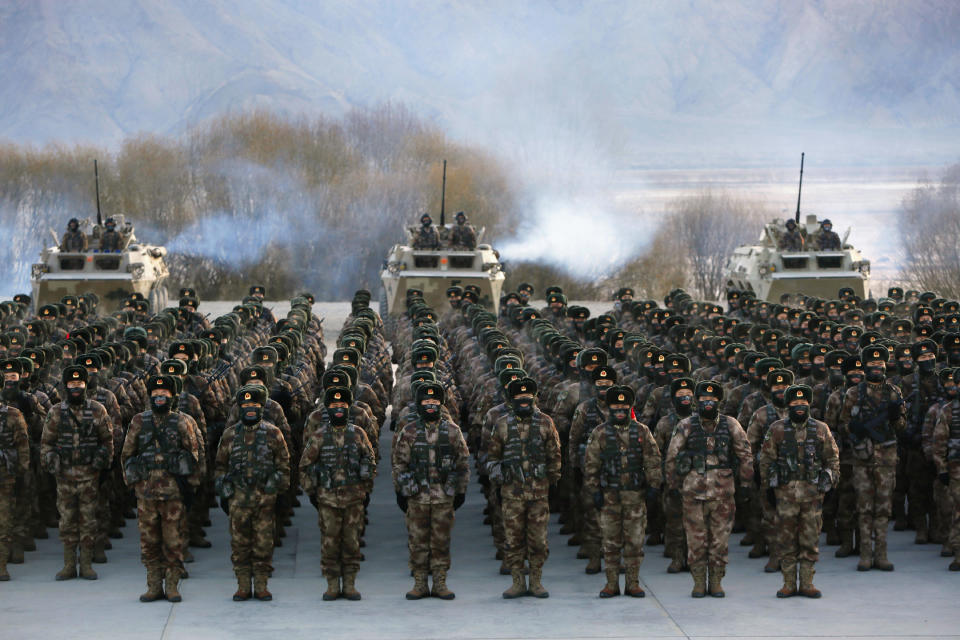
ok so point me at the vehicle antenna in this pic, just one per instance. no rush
(96, 179)
(800, 189)
(443, 193)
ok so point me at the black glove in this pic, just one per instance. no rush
(499, 494)
(485, 481)
(225, 505)
(315, 502)
(894, 411)
(458, 500)
(598, 499)
(366, 501)
(772, 497)
(402, 502)
(653, 494)
(944, 479)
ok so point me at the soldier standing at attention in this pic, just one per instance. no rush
(523, 461)
(336, 471)
(622, 472)
(705, 451)
(161, 457)
(252, 469)
(76, 445)
(799, 462)
(431, 471)
(870, 420)
(946, 457)
(14, 467)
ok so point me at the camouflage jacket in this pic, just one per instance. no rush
(265, 469)
(600, 464)
(588, 416)
(824, 453)
(344, 494)
(52, 448)
(160, 484)
(547, 440)
(878, 448)
(946, 446)
(427, 470)
(715, 483)
(760, 422)
(14, 443)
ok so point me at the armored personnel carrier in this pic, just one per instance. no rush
(434, 270)
(112, 275)
(769, 272)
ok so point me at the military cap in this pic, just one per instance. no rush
(709, 388)
(525, 286)
(337, 394)
(48, 311)
(422, 375)
(161, 382)
(11, 365)
(524, 385)
(779, 376)
(454, 291)
(852, 363)
(189, 301)
(258, 289)
(253, 372)
(591, 356)
(924, 346)
(424, 354)
(252, 393)
(875, 352)
(181, 346)
(90, 361)
(23, 298)
(620, 394)
(73, 373)
(336, 378)
(677, 361)
(798, 392)
(766, 365)
(681, 383)
(265, 354)
(428, 390)
(173, 368)
(604, 373)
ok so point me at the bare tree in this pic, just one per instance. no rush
(929, 224)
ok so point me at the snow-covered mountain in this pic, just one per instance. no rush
(690, 74)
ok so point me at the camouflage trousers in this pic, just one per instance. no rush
(874, 486)
(77, 503)
(495, 510)
(24, 501)
(944, 512)
(953, 541)
(590, 533)
(901, 486)
(798, 530)
(340, 543)
(708, 524)
(525, 530)
(762, 517)
(161, 533)
(428, 535)
(251, 535)
(623, 519)
(922, 473)
(7, 509)
(846, 498)
(674, 537)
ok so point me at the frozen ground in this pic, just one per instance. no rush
(918, 600)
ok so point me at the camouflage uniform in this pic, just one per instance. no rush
(675, 540)
(156, 452)
(946, 456)
(589, 414)
(622, 461)
(252, 469)
(337, 468)
(77, 444)
(701, 465)
(431, 464)
(793, 460)
(874, 462)
(523, 458)
(14, 466)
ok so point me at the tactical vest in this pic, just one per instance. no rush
(77, 441)
(694, 455)
(252, 465)
(612, 463)
(9, 455)
(593, 419)
(441, 471)
(789, 456)
(160, 447)
(953, 441)
(515, 451)
(876, 414)
(772, 417)
(920, 401)
(346, 459)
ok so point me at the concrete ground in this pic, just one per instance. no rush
(919, 599)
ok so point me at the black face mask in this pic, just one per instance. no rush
(778, 398)
(429, 412)
(836, 377)
(425, 224)
(927, 367)
(620, 416)
(708, 409)
(251, 415)
(193, 366)
(904, 367)
(804, 368)
(24, 385)
(854, 379)
(11, 390)
(523, 407)
(337, 415)
(799, 413)
(876, 374)
(76, 396)
(93, 380)
(160, 404)
(683, 407)
(951, 392)
(818, 371)
(953, 357)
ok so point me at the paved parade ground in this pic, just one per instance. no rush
(920, 599)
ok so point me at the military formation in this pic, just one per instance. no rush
(673, 424)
